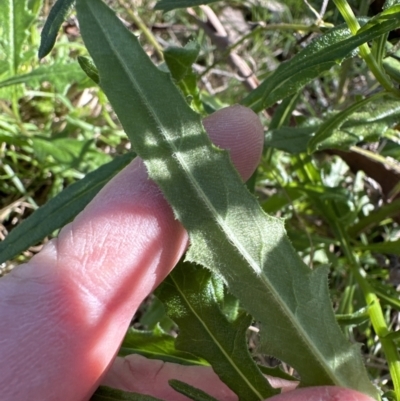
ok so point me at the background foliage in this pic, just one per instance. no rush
(329, 104)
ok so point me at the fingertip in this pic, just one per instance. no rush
(239, 130)
(322, 393)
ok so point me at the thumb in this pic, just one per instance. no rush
(137, 374)
(64, 314)
(322, 393)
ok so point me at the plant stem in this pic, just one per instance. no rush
(266, 27)
(365, 51)
(374, 310)
(142, 26)
(393, 165)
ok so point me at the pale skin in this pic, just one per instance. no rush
(64, 313)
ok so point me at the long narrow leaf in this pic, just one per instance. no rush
(59, 210)
(111, 394)
(327, 128)
(229, 233)
(52, 25)
(322, 54)
(190, 391)
(156, 344)
(57, 74)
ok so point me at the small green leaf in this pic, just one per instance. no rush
(52, 25)
(155, 316)
(89, 68)
(180, 59)
(111, 394)
(190, 297)
(156, 344)
(59, 210)
(168, 5)
(190, 391)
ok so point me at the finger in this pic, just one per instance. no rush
(229, 128)
(64, 314)
(322, 393)
(136, 373)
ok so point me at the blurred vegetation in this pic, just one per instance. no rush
(341, 204)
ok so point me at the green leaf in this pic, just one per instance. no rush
(391, 247)
(52, 25)
(168, 5)
(59, 210)
(375, 217)
(328, 127)
(59, 75)
(290, 139)
(155, 315)
(180, 59)
(322, 54)
(282, 198)
(394, 336)
(66, 151)
(368, 124)
(191, 300)
(392, 67)
(387, 295)
(89, 68)
(156, 344)
(354, 319)
(228, 231)
(284, 111)
(111, 394)
(190, 391)
(15, 21)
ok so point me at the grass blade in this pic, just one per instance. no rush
(59, 210)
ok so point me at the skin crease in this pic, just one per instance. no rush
(64, 313)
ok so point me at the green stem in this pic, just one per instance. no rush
(142, 26)
(375, 312)
(377, 158)
(267, 27)
(365, 51)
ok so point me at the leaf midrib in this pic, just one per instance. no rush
(209, 332)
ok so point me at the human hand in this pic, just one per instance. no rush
(64, 314)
